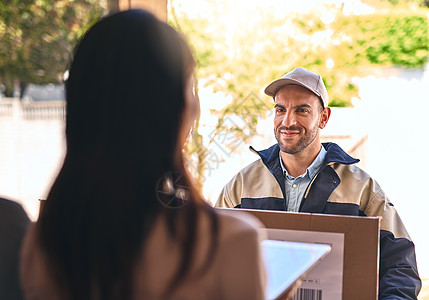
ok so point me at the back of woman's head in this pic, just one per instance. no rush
(125, 91)
(125, 102)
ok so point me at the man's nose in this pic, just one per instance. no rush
(288, 119)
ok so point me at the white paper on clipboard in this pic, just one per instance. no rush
(326, 278)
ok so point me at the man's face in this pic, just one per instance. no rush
(298, 117)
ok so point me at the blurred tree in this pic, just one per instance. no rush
(241, 60)
(37, 37)
(202, 46)
(239, 54)
(397, 3)
(400, 40)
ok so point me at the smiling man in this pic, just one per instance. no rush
(300, 174)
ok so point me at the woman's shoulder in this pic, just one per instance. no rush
(33, 276)
(234, 221)
(30, 254)
(29, 241)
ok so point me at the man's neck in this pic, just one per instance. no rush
(297, 164)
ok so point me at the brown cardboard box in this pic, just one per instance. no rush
(361, 245)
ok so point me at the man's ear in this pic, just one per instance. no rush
(324, 117)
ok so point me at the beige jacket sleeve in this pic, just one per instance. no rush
(239, 260)
(230, 195)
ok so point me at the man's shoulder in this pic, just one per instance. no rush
(253, 167)
(264, 156)
(356, 180)
(353, 172)
(345, 165)
(267, 155)
(334, 153)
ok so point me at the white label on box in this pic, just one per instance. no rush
(325, 280)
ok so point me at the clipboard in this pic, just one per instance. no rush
(287, 262)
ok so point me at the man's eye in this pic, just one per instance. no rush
(302, 110)
(279, 110)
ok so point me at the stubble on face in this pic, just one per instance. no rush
(306, 138)
(304, 128)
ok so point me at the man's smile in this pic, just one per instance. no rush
(289, 133)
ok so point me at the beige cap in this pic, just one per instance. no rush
(304, 78)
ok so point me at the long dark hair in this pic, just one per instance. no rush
(125, 101)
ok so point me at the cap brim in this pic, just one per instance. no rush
(272, 89)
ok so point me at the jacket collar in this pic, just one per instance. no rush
(334, 154)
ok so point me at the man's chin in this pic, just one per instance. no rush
(290, 149)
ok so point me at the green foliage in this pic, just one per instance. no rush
(240, 58)
(264, 49)
(38, 36)
(388, 40)
(240, 61)
(397, 3)
(202, 44)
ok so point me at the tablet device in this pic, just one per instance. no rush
(287, 262)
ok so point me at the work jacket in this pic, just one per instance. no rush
(339, 188)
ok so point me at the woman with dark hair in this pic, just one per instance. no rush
(122, 219)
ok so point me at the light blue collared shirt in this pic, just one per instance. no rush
(296, 186)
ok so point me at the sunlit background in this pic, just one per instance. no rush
(373, 56)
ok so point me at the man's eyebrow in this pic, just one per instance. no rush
(296, 106)
(303, 106)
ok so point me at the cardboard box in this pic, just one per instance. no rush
(361, 245)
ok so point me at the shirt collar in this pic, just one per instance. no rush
(313, 168)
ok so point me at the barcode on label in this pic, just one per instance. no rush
(307, 294)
